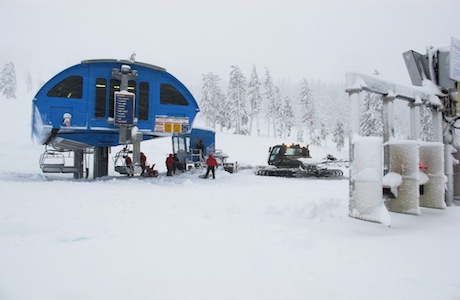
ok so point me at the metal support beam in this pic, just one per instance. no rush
(415, 121)
(353, 100)
(101, 162)
(78, 163)
(388, 128)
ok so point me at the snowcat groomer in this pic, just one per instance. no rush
(295, 161)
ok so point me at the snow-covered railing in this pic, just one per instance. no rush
(428, 93)
(399, 157)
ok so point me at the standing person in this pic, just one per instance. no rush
(170, 165)
(176, 162)
(143, 163)
(200, 148)
(212, 164)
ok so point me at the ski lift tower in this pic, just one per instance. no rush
(435, 77)
(441, 65)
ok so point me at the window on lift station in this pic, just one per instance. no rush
(70, 87)
(101, 95)
(170, 95)
(143, 101)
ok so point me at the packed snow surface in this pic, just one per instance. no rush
(240, 236)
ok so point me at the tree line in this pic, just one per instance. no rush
(9, 81)
(305, 112)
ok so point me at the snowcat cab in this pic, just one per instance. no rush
(295, 161)
(283, 156)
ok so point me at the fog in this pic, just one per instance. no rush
(293, 39)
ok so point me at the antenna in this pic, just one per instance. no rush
(133, 57)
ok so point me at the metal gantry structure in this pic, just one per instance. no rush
(433, 88)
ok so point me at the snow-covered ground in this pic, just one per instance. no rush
(240, 236)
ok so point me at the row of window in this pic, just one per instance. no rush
(72, 87)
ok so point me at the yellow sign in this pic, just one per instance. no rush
(170, 124)
(177, 128)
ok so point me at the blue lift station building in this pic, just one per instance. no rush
(98, 104)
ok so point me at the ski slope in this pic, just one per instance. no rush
(239, 236)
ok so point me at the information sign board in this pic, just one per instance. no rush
(124, 108)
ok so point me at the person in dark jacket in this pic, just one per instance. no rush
(199, 147)
(212, 164)
(176, 162)
(170, 165)
(143, 163)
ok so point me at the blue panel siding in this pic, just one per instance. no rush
(85, 126)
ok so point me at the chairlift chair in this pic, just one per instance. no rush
(53, 161)
(120, 163)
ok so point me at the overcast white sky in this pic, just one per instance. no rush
(294, 39)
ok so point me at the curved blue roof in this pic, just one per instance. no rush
(84, 106)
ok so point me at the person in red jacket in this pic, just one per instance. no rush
(170, 165)
(212, 164)
(129, 165)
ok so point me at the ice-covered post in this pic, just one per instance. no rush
(404, 157)
(415, 119)
(432, 155)
(400, 157)
(439, 136)
(365, 181)
(388, 127)
(353, 102)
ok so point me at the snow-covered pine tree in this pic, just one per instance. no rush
(277, 112)
(236, 96)
(306, 108)
(211, 99)
(8, 84)
(339, 135)
(287, 118)
(371, 120)
(28, 81)
(300, 135)
(269, 101)
(254, 100)
(323, 133)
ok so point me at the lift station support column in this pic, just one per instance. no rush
(101, 162)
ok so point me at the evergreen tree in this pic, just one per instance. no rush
(211, 99)
(306, 108)
(339, 136)
(300, 135)
(287, 118)
(269, 97)
(28, 81)
(236, 96)
(323, 134)
(255, 100)
(8, 82)
(277, 112)
(224, 117)
(371, 120)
